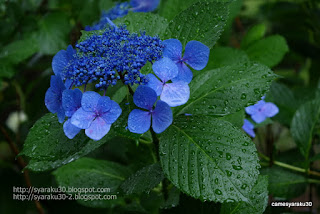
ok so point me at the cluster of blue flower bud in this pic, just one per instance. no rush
(114, 54)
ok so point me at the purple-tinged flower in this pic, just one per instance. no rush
(261, 110)
(248, 128)
(196, 55)
(96, 114)
(174, 94)
(144, 5)
(71, 102)
(61, 60)
(53, 97)
(139, 121)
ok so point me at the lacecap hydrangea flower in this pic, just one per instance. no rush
(139, 121)
(196, 55)
(100, 60)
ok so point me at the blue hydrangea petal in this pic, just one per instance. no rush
(144, 5)
(144, 97)
(165, 69)
(259, 117)
(90, 100)
(173, 49)
(251, 110)
(59, 62)
(104, 104)
(175, 94)
(68, 83)
(260, 104)
(61, 114)
(71, 101)
(70, 130)
(248, 128)
(270, 109)
(98, 129)
(56, 83)
(154, 83)
(51, 100)
(139, 121)
(184, 74)
(82, 119)
(112, 115)
(53, 96)
(161, 117)
(196, 55)
(70, 52)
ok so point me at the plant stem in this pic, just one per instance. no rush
(22, 165)
(144, 141)
(156, 142)
(288, 166)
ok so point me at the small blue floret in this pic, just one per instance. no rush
(139, 121)
(96, 114)
(262, 110)
(174, 94)
(196, 55)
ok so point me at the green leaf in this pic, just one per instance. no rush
(88, 173)
(173, 198)
(258, 200)
(224, 56)
(203, 22)
(236, 119)
(227, 90)
(283, 183)
(315, 158)
(48, 147)
(303, 124)
(211, 161)
(152, 24)
(19, 50)
(256, 33)
(120, 94)
(6, 70)
(268, 51)
(53, 34)
(284, 98)
(143, 180)
(169, 9)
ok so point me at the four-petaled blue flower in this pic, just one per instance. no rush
(53, 97)
(71, 102)
(196, 55)
(248, 128)
(96, 114)
(139, 121)
(261, 110)
(174, 94)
